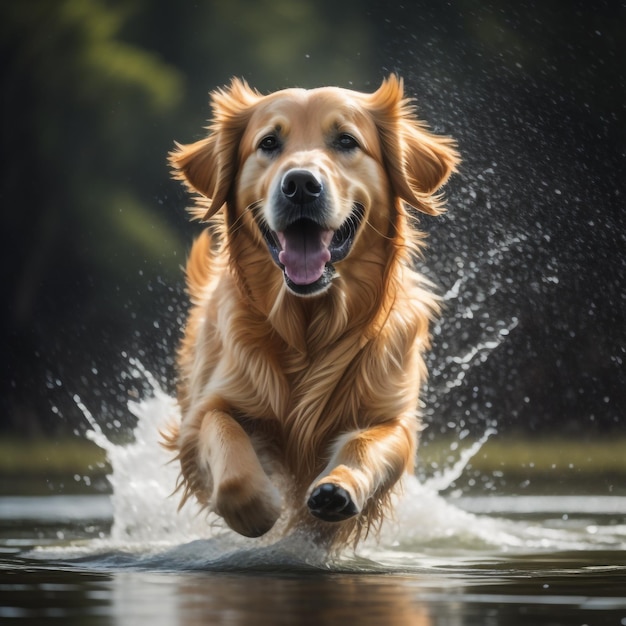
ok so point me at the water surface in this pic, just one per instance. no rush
(59, 564)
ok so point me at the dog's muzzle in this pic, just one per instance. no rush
(302, 246)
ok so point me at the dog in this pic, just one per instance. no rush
(302, 357)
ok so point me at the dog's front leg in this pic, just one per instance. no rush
(243, 494)
(364, 463)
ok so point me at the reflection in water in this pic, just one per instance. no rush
(243, 600)
(543, 589)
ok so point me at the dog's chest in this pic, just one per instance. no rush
(294, 387)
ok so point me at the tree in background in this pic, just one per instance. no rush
(82, 113)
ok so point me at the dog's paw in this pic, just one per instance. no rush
(331, 503)
(247, 511)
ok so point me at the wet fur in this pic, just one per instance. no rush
(316, 390)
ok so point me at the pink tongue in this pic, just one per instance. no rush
(304, 251)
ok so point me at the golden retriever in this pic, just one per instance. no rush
(302, 358)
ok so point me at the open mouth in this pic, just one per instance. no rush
(306, 251)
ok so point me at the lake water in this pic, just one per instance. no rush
(533, 560)
(130, 558)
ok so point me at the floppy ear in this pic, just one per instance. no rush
(418, 161)
(209, 166)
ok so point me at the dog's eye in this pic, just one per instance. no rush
(346, 142)
(269, 144)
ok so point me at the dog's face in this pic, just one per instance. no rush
(315, 173)
(311, 170)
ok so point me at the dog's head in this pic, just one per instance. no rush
(315, 173)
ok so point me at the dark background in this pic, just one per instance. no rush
(531, 252)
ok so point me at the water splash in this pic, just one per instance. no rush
(442, 480)
(455, 363)
(149, 531)
(143, 478)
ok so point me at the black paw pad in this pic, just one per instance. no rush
(331, 503)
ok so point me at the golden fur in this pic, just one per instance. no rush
(318, 386)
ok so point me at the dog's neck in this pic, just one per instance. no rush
(310, 324)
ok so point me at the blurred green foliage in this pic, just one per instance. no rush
(283, 36)
(84, 107)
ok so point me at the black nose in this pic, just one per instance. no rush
(301, 186)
